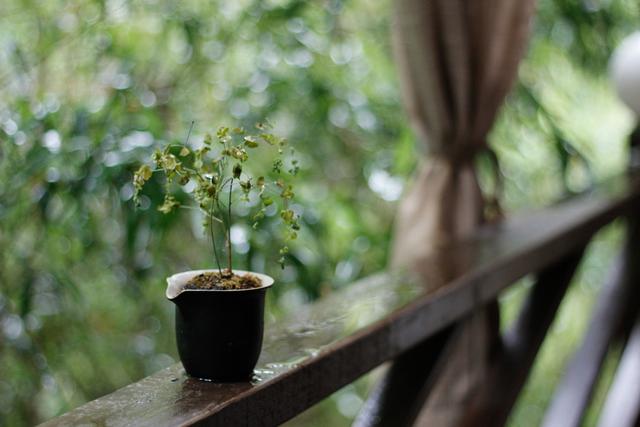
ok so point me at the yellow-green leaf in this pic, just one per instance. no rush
(250, 141)
(144, 172)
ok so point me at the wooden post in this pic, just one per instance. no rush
(622, 407)
(573, 394)
(492, 404)
(613, 316)
(634, 149)
(398, 397)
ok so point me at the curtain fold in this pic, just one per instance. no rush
(457, 60)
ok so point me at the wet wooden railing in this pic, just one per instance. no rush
(410, 318)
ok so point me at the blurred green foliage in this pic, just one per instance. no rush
(88, 88)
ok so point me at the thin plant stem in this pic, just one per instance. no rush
(193, 122)
(224, 219)
(229, 255)
(213, 240)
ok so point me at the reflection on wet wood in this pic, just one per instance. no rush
(332, 342)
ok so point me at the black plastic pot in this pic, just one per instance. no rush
(218, 332)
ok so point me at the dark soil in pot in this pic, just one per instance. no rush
(223, 280)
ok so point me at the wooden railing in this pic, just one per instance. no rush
(409, 319)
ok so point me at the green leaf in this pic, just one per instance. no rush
(287, 215)
(259, 215)
(287, 193)
(223, 132)
(240, 154)
(170, 203)
(169, 162)
(144, 173)
(269, 138)
(277, 166)
(157, 156)
(250, 141)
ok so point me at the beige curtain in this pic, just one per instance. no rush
(457, 60)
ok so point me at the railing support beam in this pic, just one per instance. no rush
(398, 397)
(492, 403)
(622, 407)
(617, 299)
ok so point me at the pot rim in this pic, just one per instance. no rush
(176, 282)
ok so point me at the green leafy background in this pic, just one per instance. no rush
(89, 88)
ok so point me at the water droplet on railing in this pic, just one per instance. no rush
(276, 367)
(313, 352)
(260, 375)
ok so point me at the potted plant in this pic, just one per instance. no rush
(220, 311)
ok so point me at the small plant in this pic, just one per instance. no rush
(222, 170)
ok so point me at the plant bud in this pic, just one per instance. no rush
(237, 170)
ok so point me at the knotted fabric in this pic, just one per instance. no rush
(457, 60)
